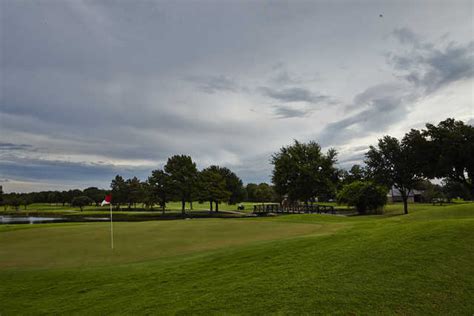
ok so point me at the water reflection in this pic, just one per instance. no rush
(28, 220)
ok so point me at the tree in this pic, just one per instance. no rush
(160, 189)
(119, 191)
(429, 191)
(251, 188)
(54, 197)
(366, 196)
(264, 193)
(95, 194)
(449, 152)
(356, 173)
(134, 191)
(81, 201)
(213, 187)
(25, 200)
(303, 172)
(233, 184)
(394, 163)
(454, 189)
(183, 173)
(12, 200)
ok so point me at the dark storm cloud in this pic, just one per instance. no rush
(295, 94)
(53, 170)
(430, 67)
(11, 146)
(424, 68)
(103, 81)
(385, 105)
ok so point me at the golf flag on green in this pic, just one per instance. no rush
(108, 200)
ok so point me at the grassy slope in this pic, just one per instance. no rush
(415, 264)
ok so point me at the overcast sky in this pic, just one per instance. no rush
(90, 89)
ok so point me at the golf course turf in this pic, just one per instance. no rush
(420, 263)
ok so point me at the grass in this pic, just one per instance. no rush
(420, 263)
(171, 207)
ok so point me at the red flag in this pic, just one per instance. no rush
(107, 200)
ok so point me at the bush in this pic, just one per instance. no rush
(366, 196)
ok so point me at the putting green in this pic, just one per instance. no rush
(88, 244)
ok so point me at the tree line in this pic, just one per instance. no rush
(179, 180)
(302, 173)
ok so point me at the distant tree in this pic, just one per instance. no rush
(183, 174)
(12, 200)
(429, 191)
(233, 184)
(119, 191)
(264, 193)
(356, 173)
(72, 193)
(134, 191)
(54, 197)
(302, 172)
(64, 198)
(81, 201)
(251, 188)
(25, 200)
(366, 196)
(394, 163)
(95, 194)
(160, 187)
(1, 195)
(148, 199)
(213, 187)
(455, 189)
(449, 152)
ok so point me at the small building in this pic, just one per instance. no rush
(414, 196)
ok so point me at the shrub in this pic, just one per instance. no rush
(366, 196)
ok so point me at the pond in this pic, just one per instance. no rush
(28, 219)
(6, 219)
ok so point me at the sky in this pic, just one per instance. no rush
(91, 89)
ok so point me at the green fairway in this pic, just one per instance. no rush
(420, 263)
(172, 208)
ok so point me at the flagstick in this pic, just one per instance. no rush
(111, 229)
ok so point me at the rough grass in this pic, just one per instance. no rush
(420, 263)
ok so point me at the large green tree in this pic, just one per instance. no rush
(395, 163)
(119, 191)
(160, 187)
(134, 191)
(213, 187)
(183, 175)
(448, 152)
(233, 184)
(302, 171)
